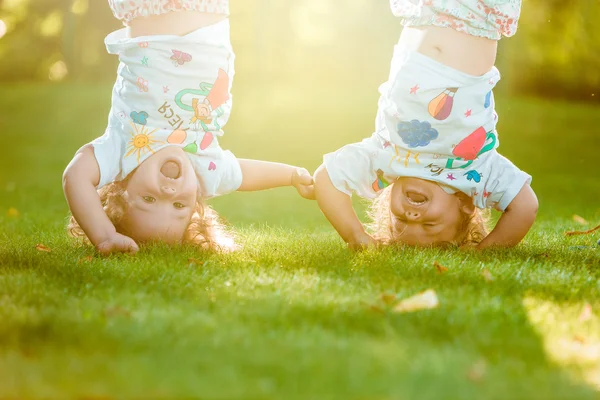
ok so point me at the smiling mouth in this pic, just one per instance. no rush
(171, 169)
(415, 198)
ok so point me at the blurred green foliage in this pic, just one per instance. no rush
(332, 42)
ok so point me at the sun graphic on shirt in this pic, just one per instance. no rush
(141, 141)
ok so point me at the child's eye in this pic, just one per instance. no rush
(149, 199)
(178, 205)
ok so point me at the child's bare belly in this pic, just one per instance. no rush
(174, 23)
(469, 54)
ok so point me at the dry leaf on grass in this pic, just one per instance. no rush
(487, 275)
(41, 247)
(375, 308)
(116, 312)
(389, 298)
(422, 301)
(477, 372)
(195, 261)
(13, 212)
(579, 339)
(586, 313)
(575, 233)
(439, 267)
(579, 219)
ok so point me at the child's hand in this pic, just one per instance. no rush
(362, 241)
(304, 184)
(117, 243)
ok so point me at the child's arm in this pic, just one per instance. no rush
(337, 207)
(79, 184)
(261, 175)
(515, 222)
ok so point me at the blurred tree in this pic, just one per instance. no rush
(555, 52)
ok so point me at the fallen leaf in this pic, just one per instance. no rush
(477, 372)
(85, 259)
(116, 312)
(41, 247)
(194, 261)
(575, 233)
(439, 267)
(487, 275)
(586, 313)
(375, 308)
(389, 298)
(422, 301)
(13, 213)
(579, 339)
(579, 220)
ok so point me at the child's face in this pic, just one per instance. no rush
(161, 197)
(423, 214)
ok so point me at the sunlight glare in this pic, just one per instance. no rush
(2, 29)
(568, 341)
(58, 71)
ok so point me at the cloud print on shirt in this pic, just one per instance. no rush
(416, 133)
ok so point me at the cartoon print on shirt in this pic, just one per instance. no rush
(191, 148)
(142, 84)
(441, 107)
(380, 183)
(488, 100)
(141, 141)
(435, 170)
(473, 176)
(179, 57)
(178, 136)
(398, 157)
(416, 133)
(140, 118)
(215, 95)
(469, 145)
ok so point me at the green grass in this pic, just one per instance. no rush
(288, 316)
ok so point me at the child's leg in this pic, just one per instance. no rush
(173, 23)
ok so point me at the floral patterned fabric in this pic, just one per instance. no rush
(491, 19)
(127, 10)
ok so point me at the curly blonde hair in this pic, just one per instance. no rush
(204, 230)
(474, 230)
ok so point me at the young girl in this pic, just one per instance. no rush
(160, 156)
(432, 163)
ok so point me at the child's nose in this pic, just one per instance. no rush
(412, 215)
(168, 190)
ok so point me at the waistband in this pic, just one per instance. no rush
(414, 57)
(215, 34)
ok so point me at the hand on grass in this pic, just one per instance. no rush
(117, 243)
(362, 241)
(304, 184)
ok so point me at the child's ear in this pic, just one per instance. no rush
(466, 203)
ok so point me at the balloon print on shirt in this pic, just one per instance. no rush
(416, 133)
(215, 95)
(380, 183)
(179, 57)
(141, 141)
(441, 107)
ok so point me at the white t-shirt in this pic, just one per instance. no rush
(171, 91)
(434, 123)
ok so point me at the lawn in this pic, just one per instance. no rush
(291, 315)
